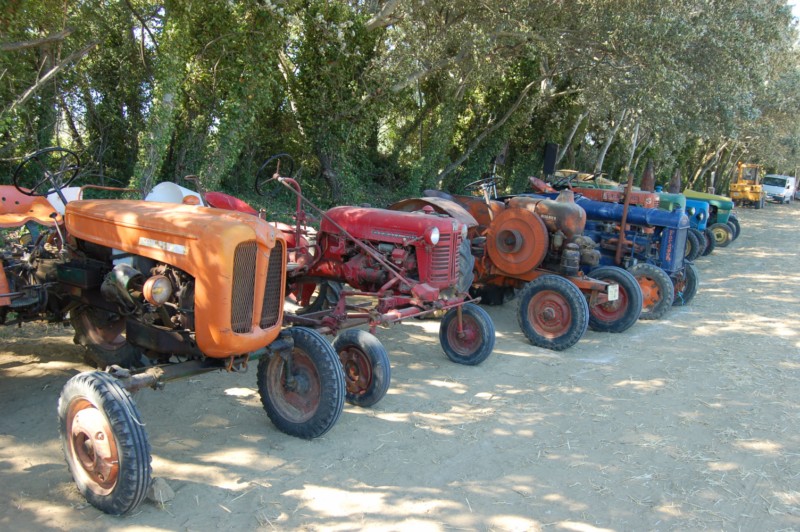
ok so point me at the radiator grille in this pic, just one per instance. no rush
(273, 293)
(244, 280)
(441, 260)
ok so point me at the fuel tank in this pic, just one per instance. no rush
(559, 214)
(236, 259)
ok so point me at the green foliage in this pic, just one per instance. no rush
(378, 100)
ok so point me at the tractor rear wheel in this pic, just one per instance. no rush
(733, 222)
(711, 244)
(686, 284)
(104, 442)
(303, 394)
(475, 342)
(552, 313)
(657, 290)
(367, 371)
(101, 332)
(693, 245)
(313, 297)
(620, 315)
(722, 234)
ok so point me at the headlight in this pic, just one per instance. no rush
(690, 211)
(701, 216)
(432, 236)
(464, 231)
(157, 290)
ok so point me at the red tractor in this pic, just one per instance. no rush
(364, 266)
(166, 291)
(535, 247)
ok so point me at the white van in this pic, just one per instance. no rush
(780, 188)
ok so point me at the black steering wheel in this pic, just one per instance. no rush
(481, 184)
(46, 171)
(271, 169)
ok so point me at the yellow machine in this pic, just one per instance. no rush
(746, 187)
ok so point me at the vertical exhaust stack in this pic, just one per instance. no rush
(649, 177)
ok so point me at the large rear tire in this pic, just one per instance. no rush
(104, 442)
(313, 297)
(657, 290)
(367, 371)
(304, 394)
(686, 284)
(552, 313)
(101, 333)
(475, 342)
(620, 315)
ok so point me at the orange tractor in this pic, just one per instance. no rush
(155, 292)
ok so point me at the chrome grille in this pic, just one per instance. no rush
(244, 280)
(441, 260)
(273, 293)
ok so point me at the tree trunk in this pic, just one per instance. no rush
(568, 140)
(598, 167)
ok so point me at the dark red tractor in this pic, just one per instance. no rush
(364, 266)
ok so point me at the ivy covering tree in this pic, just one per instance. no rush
(381, 99)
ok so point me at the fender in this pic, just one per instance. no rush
(16, 209)
(440, 204)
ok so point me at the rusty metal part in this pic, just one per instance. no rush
(561, 214)
(94, 445)
(623, 242)
(517, 241)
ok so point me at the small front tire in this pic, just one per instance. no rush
(686, 284)
(657, 290)
(475, 342)
(367, 371)
(104, 442)
(620, 315)
(722, 233)
(303, 394)
(552, 313)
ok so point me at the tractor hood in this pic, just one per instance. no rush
(387, 226)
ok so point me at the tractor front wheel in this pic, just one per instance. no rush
(694, 246)
(711, 244)
(303, 393)
(733, 222)
(474, 342)
(616, 316)
(722, 234)
(367, 371)
(657, 290)
(686, 284)
(104, 442)
(552, 313)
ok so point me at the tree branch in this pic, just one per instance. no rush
(75, 56)
(384, 17)
(23, 45)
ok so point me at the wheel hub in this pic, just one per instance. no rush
(94, 446)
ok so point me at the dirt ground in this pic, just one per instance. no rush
(689, 423)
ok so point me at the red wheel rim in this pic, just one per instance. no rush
(93, 445)
(651, 293)
(549, 314)
(612, 310)
(296, 398)
(469, 340)
(357, 370)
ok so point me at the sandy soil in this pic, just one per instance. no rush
(688, 423)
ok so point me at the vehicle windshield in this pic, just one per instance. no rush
(775, 181)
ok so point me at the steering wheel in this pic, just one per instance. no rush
(272, 169)
(49, 169)
(481, 184)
